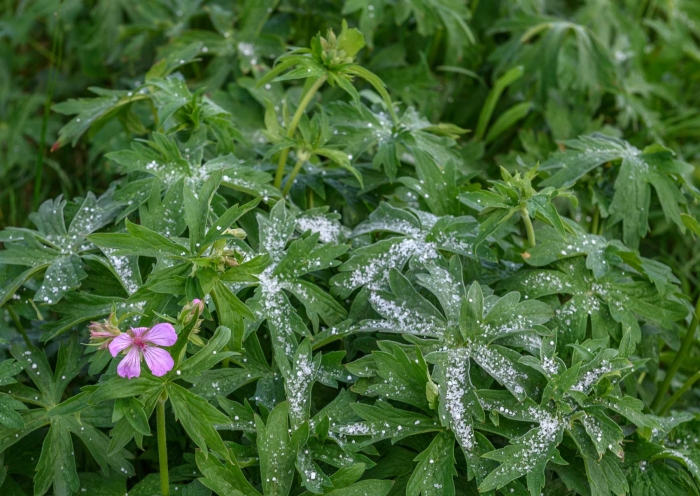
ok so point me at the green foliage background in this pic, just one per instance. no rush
(465, 257)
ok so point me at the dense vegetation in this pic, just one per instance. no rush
(349, 247)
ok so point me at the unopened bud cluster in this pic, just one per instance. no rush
(102, 333)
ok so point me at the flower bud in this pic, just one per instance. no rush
(432, 393)
(236, 232)
(102, 333)
(191, 310)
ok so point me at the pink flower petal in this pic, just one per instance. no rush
(120, 343)
(159, 361)
(139, 331)
(161, 334)
(130, 366)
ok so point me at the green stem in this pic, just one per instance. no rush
(596, 221)
(681, 391)
(19, 326)
(528, 227)
(680, 357)
(162, 448)
(293, 127)
(292, 176)
(435, 46)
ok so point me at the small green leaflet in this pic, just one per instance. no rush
(639, 171)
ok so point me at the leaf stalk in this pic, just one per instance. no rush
(528, 227)
(293, 127)
(676, 364)
(162, 448)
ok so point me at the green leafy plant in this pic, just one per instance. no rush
(462, 284)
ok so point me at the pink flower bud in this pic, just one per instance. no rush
(189, 311)
(102, 333)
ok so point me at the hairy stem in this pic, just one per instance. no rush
(293, 127)
(292, 176)
(162, 448)
(19, 326)
(528, 227)
(680, 357)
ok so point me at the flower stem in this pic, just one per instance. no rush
(162, 448)
(292, 176)
(680, 357)
(293, 127)
(528, 227)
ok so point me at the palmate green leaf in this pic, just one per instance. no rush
(421, 235)
(198, 417)
(225, 479)
(206, 357)
(289, 264)
(163, 160)
(382, 421)
(97, 484)
(371, 15)
(197, 209)
(360, 129)
(639, 171)
(405, 311)
(430, 17)
(277, 451)
(211, 383)
(298, 382)
(53, 247)
(527, 455)
(116, 387)
(163, 216)
(604, 474)
(363, 488)
(514, 194)
(230, 310)
(603, 432)
(8, 412)
(435, 470)
(631, 409)
(435, 185)
(97, 443)
(79, 307)
(400, 377)
(36, 366)
(9, 368)
(609, 302)
(139, 241)
(560, 42)
(601, 254)
(93, 112)
(56, 464)
(132, 410)
(459, 403)
(480, 323)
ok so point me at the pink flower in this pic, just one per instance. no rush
(143, 342)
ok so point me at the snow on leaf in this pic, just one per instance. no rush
(433, 475)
